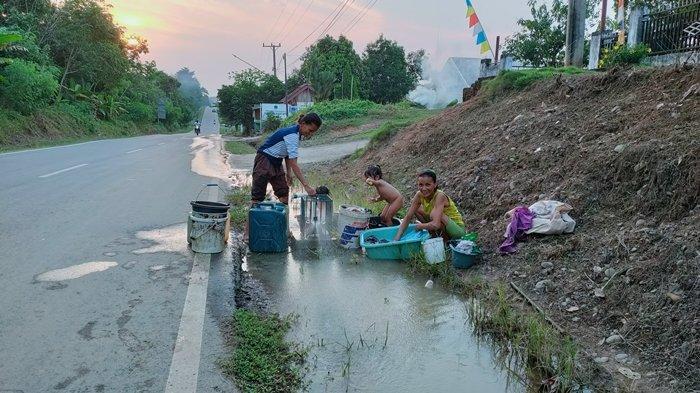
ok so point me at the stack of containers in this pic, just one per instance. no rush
(352, 220)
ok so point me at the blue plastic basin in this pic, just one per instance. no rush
(407, 247)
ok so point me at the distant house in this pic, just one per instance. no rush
(297, 99)
(301, 96)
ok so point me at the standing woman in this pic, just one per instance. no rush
(282, 146)
(434, 209)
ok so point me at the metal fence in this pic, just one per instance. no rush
(673, 30)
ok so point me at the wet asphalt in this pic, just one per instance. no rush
(113, 329)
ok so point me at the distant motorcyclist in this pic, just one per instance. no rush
(197, 127)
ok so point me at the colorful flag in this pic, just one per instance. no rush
(478, 31)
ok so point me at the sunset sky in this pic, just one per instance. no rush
(203, 34)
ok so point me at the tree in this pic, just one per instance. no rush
(191, 89)
(388, 76)
(328, 58)
(249, 87)
(415, 64)
(542, 39)
(88, 45)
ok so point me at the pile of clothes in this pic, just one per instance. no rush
(467, 247)
(543, 217)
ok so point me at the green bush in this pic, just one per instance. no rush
(27, 86)
(272, 123)
(621, 55)
(339, 109)
(138, 112)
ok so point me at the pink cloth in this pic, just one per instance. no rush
(520, 221)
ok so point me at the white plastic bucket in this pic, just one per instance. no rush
(352, 220)
(434, 250)
(208, 235)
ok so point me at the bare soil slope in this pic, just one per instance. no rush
(622, 148)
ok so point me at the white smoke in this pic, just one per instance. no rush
(437, 88)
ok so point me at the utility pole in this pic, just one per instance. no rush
(621, 21)
(575, 32)
(286, 99)
(603, 15)
(274, 56)
(498, 48)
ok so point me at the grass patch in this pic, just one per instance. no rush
(240, 202)
(262, 360)
(538, 348)
(236, 147)
(511, 80)
(387, 130)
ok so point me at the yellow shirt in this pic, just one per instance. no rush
(450, 210)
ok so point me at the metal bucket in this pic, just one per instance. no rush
(316, 209)
(208, 235)
(208, 225)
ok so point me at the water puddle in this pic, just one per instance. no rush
(168, 239)
(73, 272)
(210, 159)
(371, 327)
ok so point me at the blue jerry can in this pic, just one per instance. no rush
(267, 227)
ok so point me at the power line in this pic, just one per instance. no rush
(286, 23)
(276, 21)
(363, 15)
(301, 18)
(358, 14)
(314, 30)
(236, 56)
(335, 19)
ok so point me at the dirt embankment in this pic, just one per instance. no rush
(622, 148)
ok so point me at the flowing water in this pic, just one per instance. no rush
(371, 327)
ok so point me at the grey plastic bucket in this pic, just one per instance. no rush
(208, 233)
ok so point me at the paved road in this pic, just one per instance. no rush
(94, 270)
(307, 155)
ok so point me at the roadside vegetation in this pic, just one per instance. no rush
(262, 360)
(237, 147)
(69, 72)
(239, 198)
(510, 80)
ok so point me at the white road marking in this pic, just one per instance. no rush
(133, 151)
(184, 367)
(50, 148)
(63, 170)
(161, 144)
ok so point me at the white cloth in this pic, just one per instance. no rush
(551, 218)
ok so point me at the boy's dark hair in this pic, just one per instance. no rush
(311, 118)
(429, 173)
(300, 117)
(374, 171)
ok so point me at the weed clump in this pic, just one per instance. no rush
(240, 202)
(510, 80)
(262, 360)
